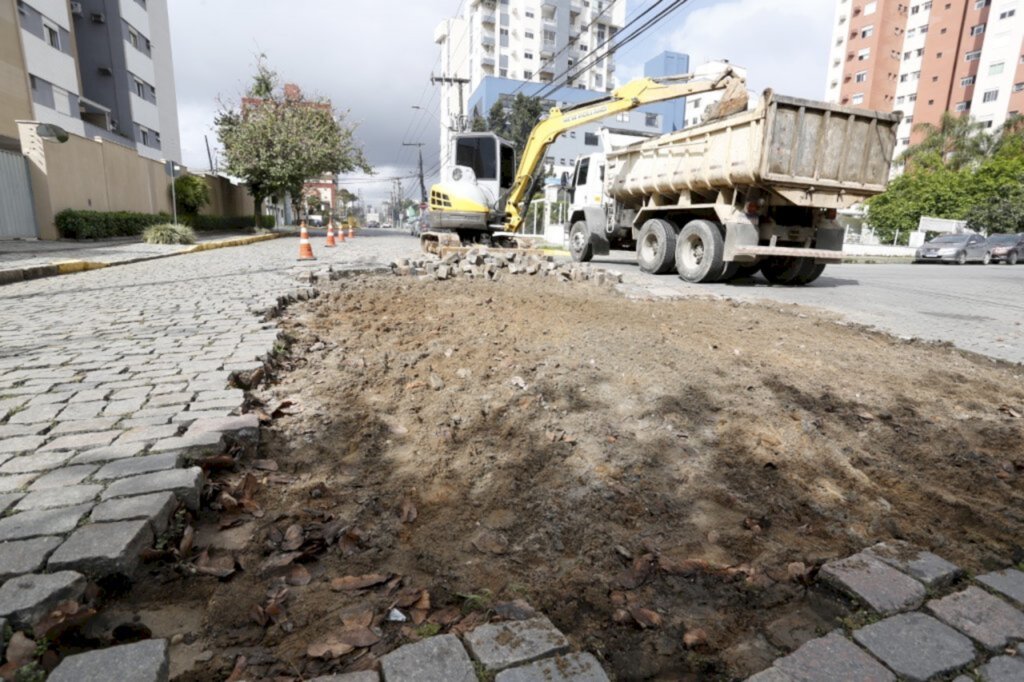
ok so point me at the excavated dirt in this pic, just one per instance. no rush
(610, 462)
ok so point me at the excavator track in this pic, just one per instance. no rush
(443, 243)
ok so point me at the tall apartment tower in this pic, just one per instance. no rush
(529, 40)
(124, 55)
(926, 57)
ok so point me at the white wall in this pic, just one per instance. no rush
(166, 89)
(54, 10)
(837, 51)
(1002, 45)
(145, 113)
(49, 63)
(135, 15)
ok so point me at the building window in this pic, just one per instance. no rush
(529, 14)
(623, 117)
(973, 56)
(503, 73)
(140, 88)
(867, 31)
(923, 29)
(60, 101)
(590, 139)
(963, 106)
(651, 120)
(857, 99)
(527, 55)
(1007, 14)
(133, 38)
(1018, 87)
(51, 34)
(912, 98)
(990, 96)
(901, 99)
(864, 54)
(527, 75)
(977, 30)
(861, 76)
(982, 3)
(870, 7)
(529, 35)
(904, 77)
(144, 136)
(908, 119)
(969, 80)
(996, 69)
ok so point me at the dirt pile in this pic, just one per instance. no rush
(660, 478)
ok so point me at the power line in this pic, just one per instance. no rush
(595, 56)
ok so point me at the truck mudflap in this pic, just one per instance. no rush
(820, 255)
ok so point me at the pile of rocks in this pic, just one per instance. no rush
(491, 264)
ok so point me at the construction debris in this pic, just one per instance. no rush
(483, 263)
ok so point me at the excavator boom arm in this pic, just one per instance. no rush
(636, 93)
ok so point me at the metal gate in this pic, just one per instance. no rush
(17, 219)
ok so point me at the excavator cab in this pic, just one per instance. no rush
(472, 196)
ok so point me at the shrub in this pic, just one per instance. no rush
(216, 222)
(169, 234)
(74, 224)
(193, 193)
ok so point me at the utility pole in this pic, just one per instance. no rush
(423, 186)
(449, 80)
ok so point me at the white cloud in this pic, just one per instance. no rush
(782, 43)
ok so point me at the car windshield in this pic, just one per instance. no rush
(950, 239)
(1003, 239)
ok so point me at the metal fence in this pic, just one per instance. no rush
(17, 218)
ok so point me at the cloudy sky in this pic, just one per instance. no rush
(374, 60)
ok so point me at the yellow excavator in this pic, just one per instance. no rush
(486, 196)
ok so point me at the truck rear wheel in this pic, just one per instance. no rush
(782, 269)
(656, 246)
(699, 250)
(579, 242)
(810, 272)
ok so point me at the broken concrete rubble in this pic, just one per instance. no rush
(482, 263)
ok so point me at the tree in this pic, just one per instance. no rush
(276, 142)
(192, 193)
(497, 119)
(478, 124)
(523, 116)
(922, 191)
(1003, 213)
(959, 141)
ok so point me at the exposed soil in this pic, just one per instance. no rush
(596, 457)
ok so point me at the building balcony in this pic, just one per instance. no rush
(487, 60)
(548, 48)
(549, 24)
(487, 39)
(487, 17)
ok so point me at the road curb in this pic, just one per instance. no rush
(70, 267)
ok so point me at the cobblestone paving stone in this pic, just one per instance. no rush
(111, 381)
(963, 633)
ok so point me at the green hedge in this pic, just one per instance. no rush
(216, 222)
(98, 225)
(74, 224)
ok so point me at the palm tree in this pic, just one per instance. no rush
(958, 140)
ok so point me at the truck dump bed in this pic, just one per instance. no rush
(813, 153)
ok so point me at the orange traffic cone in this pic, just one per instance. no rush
(305, 248)
(351, 232)
(341, 234)
(330, 235)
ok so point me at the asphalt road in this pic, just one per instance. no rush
(978, 308)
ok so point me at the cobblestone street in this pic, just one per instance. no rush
(110, 381)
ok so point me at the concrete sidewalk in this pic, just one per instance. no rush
(31, 259)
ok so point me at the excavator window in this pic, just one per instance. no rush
(508, 166)
(480, 154)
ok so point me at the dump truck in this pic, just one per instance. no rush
(755, 190)
(748, 189)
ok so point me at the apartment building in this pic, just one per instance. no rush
(94, 67)
(529, 40)
(926, 57)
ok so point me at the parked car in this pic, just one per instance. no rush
(1006, 248)
(954, 248)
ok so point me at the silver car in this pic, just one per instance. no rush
(954, 248)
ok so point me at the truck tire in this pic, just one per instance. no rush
(729, 271)
(699, 250)
(745, 271)
(579, 242)
(656, 246)
(782, 269)
(810, 272)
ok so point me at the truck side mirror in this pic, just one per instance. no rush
(565, 180)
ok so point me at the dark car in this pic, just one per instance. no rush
(954, 248)
(1006, 248)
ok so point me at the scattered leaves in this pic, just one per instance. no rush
(358, 582)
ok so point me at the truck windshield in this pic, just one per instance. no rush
(582, 171)
(479, 153)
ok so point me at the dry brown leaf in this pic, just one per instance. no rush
(227, 502)
(490, 542)
(217, 462)
(645, 618)
(265, 464)
(20, 650)
(358, 582)
(329, 648)
(277, 561)
(298, 575)
(418, 615)
(220, 566)
(695, 638)
(446, 616)
(185, 546)
(293, 537)
(239, 670)
(357, 618)
(357, 636)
